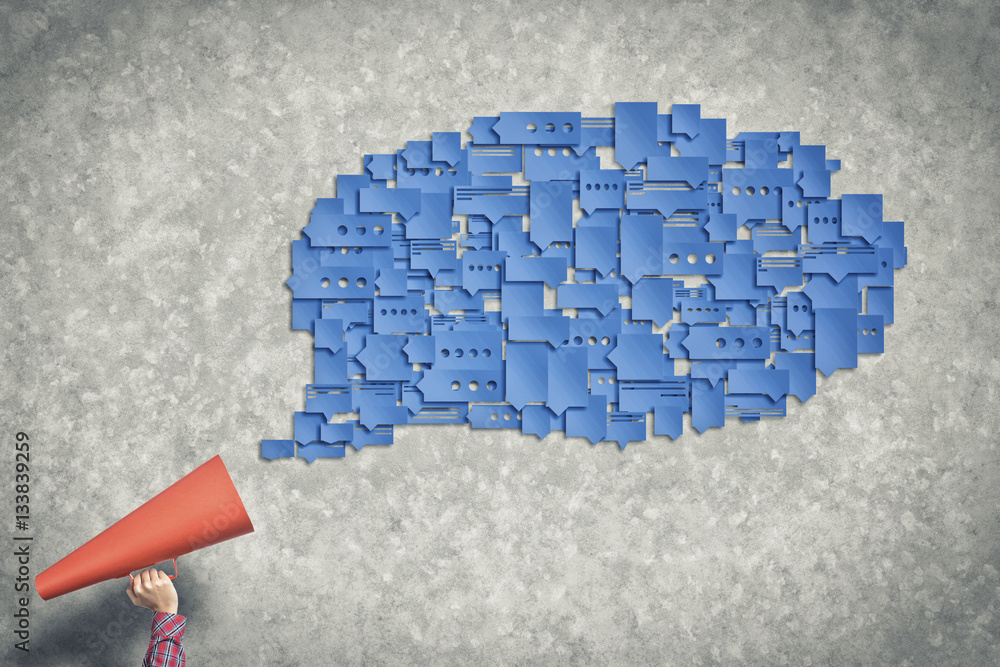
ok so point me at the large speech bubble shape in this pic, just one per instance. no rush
(563, 273)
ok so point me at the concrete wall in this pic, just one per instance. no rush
(157, 163)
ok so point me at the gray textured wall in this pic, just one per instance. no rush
(155, 165)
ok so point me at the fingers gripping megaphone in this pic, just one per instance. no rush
(201, 509)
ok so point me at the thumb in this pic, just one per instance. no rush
(131, 595)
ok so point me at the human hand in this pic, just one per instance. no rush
(154, 590)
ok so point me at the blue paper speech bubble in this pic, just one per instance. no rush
(682, 284)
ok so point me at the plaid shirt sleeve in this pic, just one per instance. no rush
(165, 647)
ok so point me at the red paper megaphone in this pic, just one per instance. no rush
(199, 510)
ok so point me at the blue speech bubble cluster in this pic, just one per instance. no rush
(519, 281)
